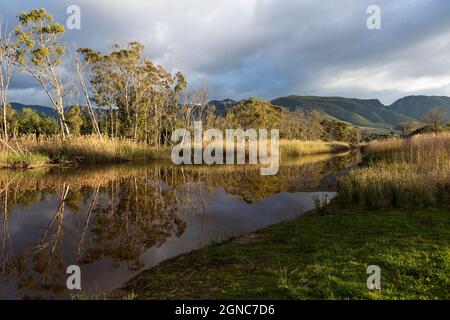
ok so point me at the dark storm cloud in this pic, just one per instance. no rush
(270, 48)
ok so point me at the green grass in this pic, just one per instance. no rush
(22, 160)
(315, 257)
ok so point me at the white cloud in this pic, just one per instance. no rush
(384, 80)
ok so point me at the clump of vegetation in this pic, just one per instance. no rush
(320, 204)
(9, 159)
(401, 173)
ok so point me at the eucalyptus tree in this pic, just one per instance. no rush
(173, 115)
(195, 104)
(39, 53)
(255, 113)
(82, 70)
(142, 94)
(101, 76)
(7, 54)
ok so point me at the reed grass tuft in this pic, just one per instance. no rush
(401, 173)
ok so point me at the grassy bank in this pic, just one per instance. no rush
(315, 257)
(83, 149)
(401, 173)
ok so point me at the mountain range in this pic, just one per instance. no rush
(360, 112)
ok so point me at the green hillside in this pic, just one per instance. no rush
(361, 112)
(417, 106)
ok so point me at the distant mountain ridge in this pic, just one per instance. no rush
(360, 112)
(42, 109)
(417, 106)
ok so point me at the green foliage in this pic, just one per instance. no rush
(142, 98)
(31, 122)
(12, 121)
(340, 131)
(86, 127)
(24, 160)
(48, 126)
(74, 120)
(256, 114)
(38, 38)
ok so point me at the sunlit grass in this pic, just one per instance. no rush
(9, 159)
(297, 148)
(91, 149)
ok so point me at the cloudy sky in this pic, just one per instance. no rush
(269, 48)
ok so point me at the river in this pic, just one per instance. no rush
(114, 221)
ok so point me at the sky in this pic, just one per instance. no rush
(268, 48)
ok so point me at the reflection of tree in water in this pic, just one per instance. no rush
(122, 219)
(247, 183)
(139, 215)
(40, 267)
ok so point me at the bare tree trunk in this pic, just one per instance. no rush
(5, 122)
(81, 80)
(7, 54)
(111, 119)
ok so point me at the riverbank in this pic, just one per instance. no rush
(29, 153)
(316, 256)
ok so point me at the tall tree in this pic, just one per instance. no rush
(7, 53)
(74, 119)
(81, 68)
(39, 53)
(101, 75)
(256, 114)
(139, 92)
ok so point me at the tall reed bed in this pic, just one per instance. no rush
(296, 148)
(83, 149)
(401, 173)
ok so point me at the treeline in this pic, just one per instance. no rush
(125, 95)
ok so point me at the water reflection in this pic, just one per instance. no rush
(114, 221)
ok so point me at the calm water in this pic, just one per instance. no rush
(114, 221)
